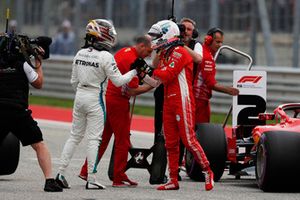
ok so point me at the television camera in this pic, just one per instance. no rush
(17, 46)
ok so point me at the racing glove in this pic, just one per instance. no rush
(142, 67)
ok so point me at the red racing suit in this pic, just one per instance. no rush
(203, 84)
(118, 116)
(176, 73)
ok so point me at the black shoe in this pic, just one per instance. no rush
(52, 186)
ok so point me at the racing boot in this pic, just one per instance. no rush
(62, 182)
(92, 184)
(83, 177)
(130, 182)
(209, 179)
(171, 185)
(119, 184)
(126, 182)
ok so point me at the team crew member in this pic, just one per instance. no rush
(118, 111)
(175, 71)
(15, 117)
(205, 80)
(92, 67)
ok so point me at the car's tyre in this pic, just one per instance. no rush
(159, 162)
(278, 161)
(9, 153)
(213, 141)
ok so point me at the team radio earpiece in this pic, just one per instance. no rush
(208, 39)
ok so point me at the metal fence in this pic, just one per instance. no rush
(270, 35)
(283, 84)
(235, 15)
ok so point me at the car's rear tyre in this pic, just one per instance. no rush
(278, 161)
(213, 141)
(9, 153)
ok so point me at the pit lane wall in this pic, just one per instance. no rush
(283, 84)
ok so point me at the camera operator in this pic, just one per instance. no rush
(189, 34)
(16, 75)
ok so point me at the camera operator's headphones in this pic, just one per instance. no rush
(211, 34)
(195, 33)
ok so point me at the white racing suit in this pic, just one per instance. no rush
(90, 74)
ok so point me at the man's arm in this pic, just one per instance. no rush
(155, 60)
(197, 58)
(74, 77)
(226, 89)
(113, 72)
(173, 67)
(35, 77)
(139, 90)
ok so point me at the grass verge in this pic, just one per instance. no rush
(138, 110)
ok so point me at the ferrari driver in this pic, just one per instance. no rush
(175, 71)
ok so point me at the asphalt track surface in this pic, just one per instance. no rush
(27, 182)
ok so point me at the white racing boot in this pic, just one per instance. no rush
(92, 184)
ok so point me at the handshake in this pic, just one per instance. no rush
(142, 69)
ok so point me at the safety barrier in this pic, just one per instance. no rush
(283, 84)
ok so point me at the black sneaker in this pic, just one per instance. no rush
(52, 186)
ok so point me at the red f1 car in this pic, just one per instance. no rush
(272, 149)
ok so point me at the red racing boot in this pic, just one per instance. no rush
(126, 182)
(130, 182)
(209, 179)
(171, 185)
(119, 184)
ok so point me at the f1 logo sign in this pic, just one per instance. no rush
(251, 79)
(252, 98)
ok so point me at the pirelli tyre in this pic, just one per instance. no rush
(278, 161)
(213, 141)
(9, 153)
